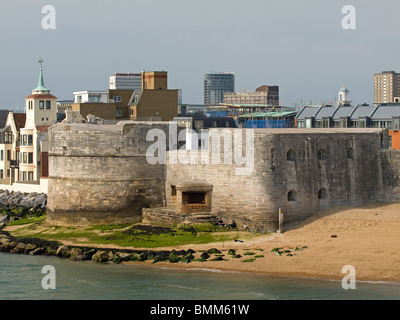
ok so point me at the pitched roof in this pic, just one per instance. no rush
(362, 111)
(325, 112)
(42, 96)
(386, 112)
(344, 111)
(19, 119)
(307, 112)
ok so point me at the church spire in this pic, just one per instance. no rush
(41, 87)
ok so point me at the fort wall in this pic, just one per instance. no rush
(99, 174)
(298, 171)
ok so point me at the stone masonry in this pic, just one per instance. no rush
(299, 171)
(99, 174)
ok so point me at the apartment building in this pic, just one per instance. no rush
(387, 87)
(266, 95)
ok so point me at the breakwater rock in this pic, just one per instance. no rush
(18, 205)
(34, 246)
(20, 200)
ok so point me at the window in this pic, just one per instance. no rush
(8, 155)
(94, 99)
(1, 174)
(350, 153)
(30, 175)
(118, 113)
(41, 104)
(292, 195)
(291, 155)
(321, 154)
(395, 124)
(48, 105)
(117, 99)
(24, 139)
(24, 157)
(322, 193)
(30, 140)
(8, 173)
(8, 137)
(78, 99)
(30, 157)
(1, 155)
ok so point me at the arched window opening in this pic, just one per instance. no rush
(321, 154)
(292, 195)
(350, 153)
(322, 194)
(291, 155)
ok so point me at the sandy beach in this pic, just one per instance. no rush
(365, 237)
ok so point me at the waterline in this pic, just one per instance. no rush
(20, 279)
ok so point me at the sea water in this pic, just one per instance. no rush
(21, 279)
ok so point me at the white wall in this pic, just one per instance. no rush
(27, 188)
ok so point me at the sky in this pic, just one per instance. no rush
(299, 45)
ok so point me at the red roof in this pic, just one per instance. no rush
(20, 119)
(42, 96)
(42, 128)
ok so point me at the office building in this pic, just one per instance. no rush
(216, 84)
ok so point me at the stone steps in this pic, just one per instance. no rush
(169, 216)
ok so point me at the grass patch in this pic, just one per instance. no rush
(137, 235)
(29, 220)
(249, 260)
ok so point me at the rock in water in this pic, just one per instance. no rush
(63, 251)
(100, 256)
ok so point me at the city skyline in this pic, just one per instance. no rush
(299, 46)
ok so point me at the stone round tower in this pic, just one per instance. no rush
(99, 174)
